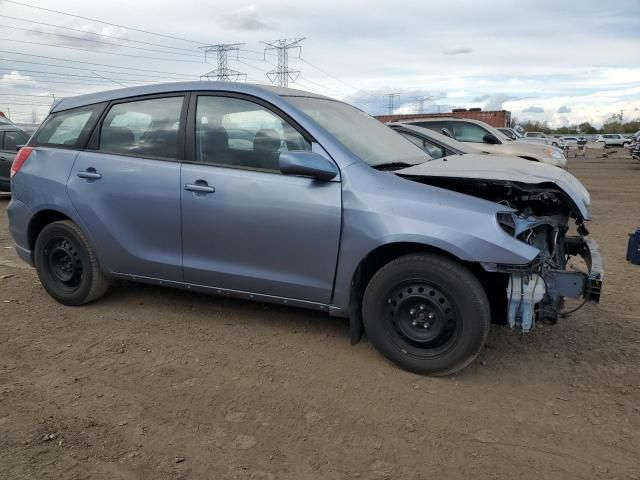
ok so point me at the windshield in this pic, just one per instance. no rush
(364, 136)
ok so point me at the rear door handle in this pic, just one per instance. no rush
(200, 186)
(90, 174)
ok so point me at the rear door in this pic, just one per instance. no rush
(245, 226)
(126, 186)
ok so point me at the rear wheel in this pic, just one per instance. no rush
(427, 314)
(67, 265)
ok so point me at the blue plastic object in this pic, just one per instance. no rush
(633, 248)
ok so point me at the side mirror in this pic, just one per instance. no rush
(307, 164)
(446, 132)
(18, 147)
(490, 138)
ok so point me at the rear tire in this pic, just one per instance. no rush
(67, 265)
(427, 314)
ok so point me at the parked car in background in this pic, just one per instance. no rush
(328, 209)
(570, 142)
(511, 133)
(539, 136)
(10, 138)
(435, 144)
(613, 140)
(486, 138)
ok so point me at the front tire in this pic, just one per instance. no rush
(427, 314)
(67, 265)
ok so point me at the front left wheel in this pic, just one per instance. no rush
(426, 313)
(67, 265)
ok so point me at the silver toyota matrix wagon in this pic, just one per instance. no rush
(285, 196)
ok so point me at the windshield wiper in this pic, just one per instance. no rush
(393, 165)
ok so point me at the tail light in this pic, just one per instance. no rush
(21, 157)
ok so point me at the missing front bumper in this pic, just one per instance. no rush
(548, 287)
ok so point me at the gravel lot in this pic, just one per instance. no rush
(153, 383)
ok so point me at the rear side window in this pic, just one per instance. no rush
(145, 128)
(12, 139)
(68, 128)
(468, 132)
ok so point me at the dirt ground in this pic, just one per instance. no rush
(151, 383)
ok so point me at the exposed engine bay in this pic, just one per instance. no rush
(539, 215)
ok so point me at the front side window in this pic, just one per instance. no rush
(468, 132)
(12, 139)
(367, 138)
(234, 132)
(145, 128)
(67, 128)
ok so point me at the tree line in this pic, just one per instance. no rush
(613, 124)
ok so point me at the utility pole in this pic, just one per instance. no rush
(282, 73)
(390, 97)
(222, 73)
(422, 99)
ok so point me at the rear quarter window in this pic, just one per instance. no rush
(69, 128)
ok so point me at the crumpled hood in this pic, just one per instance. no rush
(505, 168)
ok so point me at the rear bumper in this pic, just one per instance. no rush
(19, 217)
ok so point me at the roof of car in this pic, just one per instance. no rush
(11, 126)
(159, 88)
(445, 119)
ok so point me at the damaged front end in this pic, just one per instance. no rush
(540, 215)
(538, 290)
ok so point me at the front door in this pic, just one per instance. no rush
(127, 191)
(245, 226)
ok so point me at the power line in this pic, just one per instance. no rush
(283, 73)
(92, 63)
(150, 78)
(97, 34)
(335, 78)
(106, 23)
(390, 97)
(111, 44)
(63, 74)
(84, 68)
(223, 72)
(421, 101)
(96, 51)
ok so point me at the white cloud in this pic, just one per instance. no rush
(533, 109)
(563, 109)
(457, 51)
(244, 18)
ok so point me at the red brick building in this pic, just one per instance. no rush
(501, 118)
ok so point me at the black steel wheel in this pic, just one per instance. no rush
(426, 313)
(67, 266)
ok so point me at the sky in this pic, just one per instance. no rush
(561, 62)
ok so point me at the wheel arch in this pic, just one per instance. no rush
(40, 220)
(371, 263)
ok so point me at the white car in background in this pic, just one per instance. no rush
(613, 140)
(541, 137)
(488, 139)
(570, 142)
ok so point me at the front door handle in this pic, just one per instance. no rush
(90, 174)
(200, 186)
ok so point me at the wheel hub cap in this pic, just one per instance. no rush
(422, 314)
